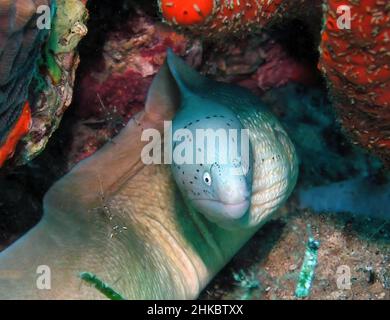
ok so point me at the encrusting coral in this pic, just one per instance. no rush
(37, 72)
(53, 85)
(356, 62)
(20, 42)
(220, 18)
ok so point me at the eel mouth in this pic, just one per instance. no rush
(218, 210)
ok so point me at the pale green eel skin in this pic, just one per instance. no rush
(127, 223)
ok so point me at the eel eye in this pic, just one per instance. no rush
(207, 178)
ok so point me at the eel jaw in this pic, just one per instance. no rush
(217, 210)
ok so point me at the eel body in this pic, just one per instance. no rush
(127, 223)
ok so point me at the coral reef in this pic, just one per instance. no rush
(355, 61)
(54, 85)
(37, 69)
(219, 18)
(112, 83)
(113, 87)
(268, 267)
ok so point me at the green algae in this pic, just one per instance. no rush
(309, 264)
(102, 287)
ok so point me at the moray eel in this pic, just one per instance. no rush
(217, 191)
(217, 178)
(128, 225)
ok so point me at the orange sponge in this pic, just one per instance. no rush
(218, 18)
(20, 129)
(188, 12)
(356, 63)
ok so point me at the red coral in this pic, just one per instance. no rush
(187, 13)
(215, 18)
(357, 65)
